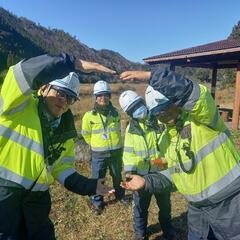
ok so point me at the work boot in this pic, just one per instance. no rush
(125, 200)
(141, 237)
(97, 210)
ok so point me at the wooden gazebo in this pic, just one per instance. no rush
(215, 55)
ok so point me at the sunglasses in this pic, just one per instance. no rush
(106, 95)
(60, 93)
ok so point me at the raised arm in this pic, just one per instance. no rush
(143, 76)
(173, 86)
(45, 68)
(87, 67)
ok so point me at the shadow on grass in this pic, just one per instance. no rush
(112, 201)
(128, 200)
(179, 224)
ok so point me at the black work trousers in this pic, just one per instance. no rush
(101, 161)
(24, 215)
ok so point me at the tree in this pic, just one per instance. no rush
(235, 32)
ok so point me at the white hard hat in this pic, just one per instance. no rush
(101, 87)
(127, 99)
(70, 84)
(156, 101)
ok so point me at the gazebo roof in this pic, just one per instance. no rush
(220, 54)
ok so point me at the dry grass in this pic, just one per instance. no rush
(74, 220)
(224, 97)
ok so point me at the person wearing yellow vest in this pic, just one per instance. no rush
(36, 139)
(199, 149)
(141, 155)
(101, 129)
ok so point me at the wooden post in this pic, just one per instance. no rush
(236, 104)
(225, 116)
(214, 81)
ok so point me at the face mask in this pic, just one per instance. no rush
(140, 113)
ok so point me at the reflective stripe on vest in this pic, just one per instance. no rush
(101, 130)
(63, 175)
(130, 168)
(215, 187)
(16, 109)
(67, 160)
(40, 187)
(203, 152)
(26, 183)
(101, 149)
(85, 132)
(193, 98)
(222, 182)
(215, 120)
(140, 149)
(140, 153)
(21, 139)
(1, 104)
(167, 174)
(21, 80)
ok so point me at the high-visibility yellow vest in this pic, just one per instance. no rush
(210, 146)
(140, 148)
(21, 140)
(102, 133)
